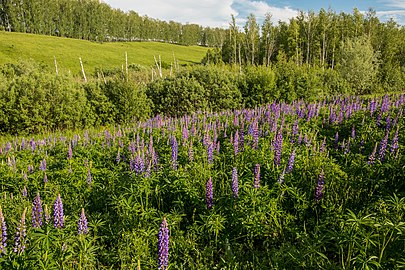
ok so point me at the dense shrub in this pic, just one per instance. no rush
(177, 96)
(35, 101)
(258, 86)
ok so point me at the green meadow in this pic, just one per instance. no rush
(43, 49)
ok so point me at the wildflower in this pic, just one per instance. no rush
(42, 166)
(256, 182)
(278, 146)
(58, 217)
(209, 196)
(236, 143)
(89, 177)
(235, 184)
(210, 153)
(70, 152)
(45, 178)
(336, 142)
(319, 187)
(21, 234)
(37, 212)
(371, 158)
(291, 161)
(175, 152)
(24, 192)
(281, 177)
(163, 246)
(3, 240)
(383, 147)
(82, 224)
(394, 143)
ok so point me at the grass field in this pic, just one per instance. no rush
(42, 49)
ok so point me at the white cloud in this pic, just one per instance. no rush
(394, 3)
(397, 15)
(203, 12)
(214, 13)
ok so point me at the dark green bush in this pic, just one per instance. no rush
(177, 96)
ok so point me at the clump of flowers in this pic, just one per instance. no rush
(209, 195)
(82, 224)
(58, 217)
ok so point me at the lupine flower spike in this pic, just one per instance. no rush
(3, 236)
(163, 246)
(82, 224)
(235, 184)
(58, 217)
(209, 196)
(20, 235)
(319, 187)
(37, 212)
(256, 183)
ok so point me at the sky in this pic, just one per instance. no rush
(217, 13)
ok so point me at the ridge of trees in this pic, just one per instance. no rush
(97, 21)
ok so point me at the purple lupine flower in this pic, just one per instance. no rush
(89, 177)
(24, 192)
(291, 161)
(70, 152)
(235, 184)
(371, 158)
(42, 166)
(323, 145)
(139, 165)
(299, 141)
(242, 138)
(388, 123)
(58, 218)
(209, 196)
(45, 178)
(294, 132)
(175, 152)
(20, 239)
(236, 143)
(3, 240)
(383, 148)
(37, 212)
(394, 143)
(256, 182)
(210, 153)
(255, 135)
(163, 245)
(25, 177)
(30, 168)
(278, 146)
(320, 187)
(82, 224)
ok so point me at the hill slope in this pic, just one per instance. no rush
(16, 46)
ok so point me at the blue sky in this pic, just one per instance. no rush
(217, 13)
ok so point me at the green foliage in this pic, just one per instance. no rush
(359, 64)
(258, 86)
(35, 101)
(177, 96)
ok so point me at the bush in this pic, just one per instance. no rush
(258, 86)
(176, 96)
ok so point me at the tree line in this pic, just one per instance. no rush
(97, 21)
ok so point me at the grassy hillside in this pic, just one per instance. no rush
(15, 46)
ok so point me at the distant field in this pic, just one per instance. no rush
(15, 46)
